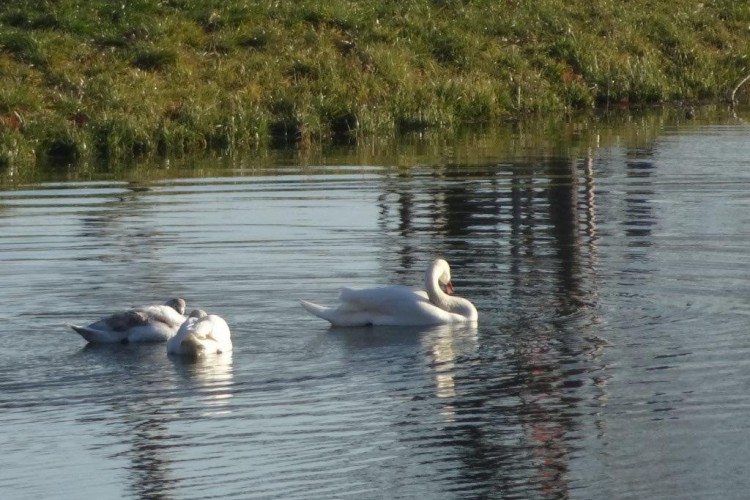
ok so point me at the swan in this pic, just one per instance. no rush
(152, 323)
(200, 334)
(399, 305)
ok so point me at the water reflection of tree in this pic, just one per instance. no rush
(540, 221)
(140, 411)
(639, 216)
(150, 443)
(136, 414)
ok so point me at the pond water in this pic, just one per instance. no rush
(609, 263)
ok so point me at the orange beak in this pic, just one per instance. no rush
(449, 288)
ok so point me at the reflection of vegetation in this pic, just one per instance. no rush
(144, 78)
(571, 138)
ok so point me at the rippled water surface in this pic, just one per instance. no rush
(611, 359)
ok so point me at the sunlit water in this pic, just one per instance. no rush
(611, 360)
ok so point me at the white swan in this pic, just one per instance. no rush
(154, 323)
(201, 334)
(399, 305)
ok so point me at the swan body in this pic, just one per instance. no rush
(152, 323)
(201, 334)
(399, 305)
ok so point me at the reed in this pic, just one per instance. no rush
(111, 81)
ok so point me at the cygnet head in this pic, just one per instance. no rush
(198, 313)
(177, 304)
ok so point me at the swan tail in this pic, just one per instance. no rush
(346, 315)
(95, 336)
(316, 310)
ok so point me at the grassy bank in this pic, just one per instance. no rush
(97, 79)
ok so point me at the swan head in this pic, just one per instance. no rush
(439, 273)
(442, 271)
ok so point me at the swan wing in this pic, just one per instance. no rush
(160, 314)
(96, 335)
(382, 299)
(150, 323)
(112, 329)
(390, 305)
(213, 328)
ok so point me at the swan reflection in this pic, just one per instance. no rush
(211, 378)
(445, 345)
(435, 351)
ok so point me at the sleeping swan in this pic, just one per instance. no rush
(155, 323)
(201, 334)
(399, 305)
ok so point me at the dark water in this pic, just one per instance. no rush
(611, 360)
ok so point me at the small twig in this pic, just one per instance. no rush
(738, 87)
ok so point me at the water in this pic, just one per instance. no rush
(611, 358)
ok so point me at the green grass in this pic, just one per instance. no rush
(112, 81)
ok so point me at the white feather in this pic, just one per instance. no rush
(201, 334)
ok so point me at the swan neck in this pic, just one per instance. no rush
(434, 292)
